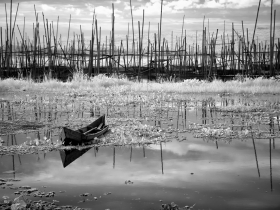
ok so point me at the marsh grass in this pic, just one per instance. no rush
(81, 82)
(258, 85)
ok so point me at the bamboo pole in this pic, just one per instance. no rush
(91, 49)
(133, 41)
(113, 33)
(232, 49)
(160, 26)
(271, 41)
(127, 40)
(1, 54)
(148, 51)
(6, 63)
(256, 21)
(98, 49)
(273, 37)
(10, 40)
(68, 34)
(139, 52)
(278, 66)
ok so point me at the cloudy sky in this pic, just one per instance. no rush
(217, 11)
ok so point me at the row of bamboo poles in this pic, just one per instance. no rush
(44, 54)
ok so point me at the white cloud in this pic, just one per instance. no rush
(181, 149)
(235, 4)
(46, 8)
(70, 9)
(268, 2)
(183, 4)
(152, 7)
(103, 11)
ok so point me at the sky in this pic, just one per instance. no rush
(174, 11)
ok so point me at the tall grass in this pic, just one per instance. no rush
(78, 82)
(258, 85)
(102, 82)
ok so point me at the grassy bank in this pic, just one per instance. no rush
(100, 83)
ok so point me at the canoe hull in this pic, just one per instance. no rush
(75, 137)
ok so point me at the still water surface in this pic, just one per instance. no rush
(210, 174)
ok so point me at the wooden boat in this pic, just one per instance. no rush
(87, 134)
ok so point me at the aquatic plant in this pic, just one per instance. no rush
(81, 82)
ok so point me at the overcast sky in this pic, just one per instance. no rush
(217, 11)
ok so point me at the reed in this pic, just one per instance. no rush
(45, 54)
(81, 82)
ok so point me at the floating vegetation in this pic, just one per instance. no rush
(122, 132)
(25, 149)
(240, 108)
(19, 126)
(224, 132)
(22, 202)
(129, 115)
(174, 206)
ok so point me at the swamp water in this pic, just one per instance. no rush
(216, 163)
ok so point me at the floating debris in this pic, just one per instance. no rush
(85, 194)
(174, 206)
(128, 182)
(25, 187)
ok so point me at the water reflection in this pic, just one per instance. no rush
(69, 156)
(214, 174)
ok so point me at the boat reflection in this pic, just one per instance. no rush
(69, 156)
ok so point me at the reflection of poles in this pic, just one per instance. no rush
(271, 129)
(140, 110)
(13, 157)
(38, 135)
(178, 115)
(50, 135)
(211, 115)
(130, 153)
(185, 114)
(204, 112)
(114, 157)
(182, 116)
(161, 158)
(217, 145)
(255, 152)
(17, 144)
(256, 157)
(270, 163)
(144, 154)
(134, 105)
(14, 172)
